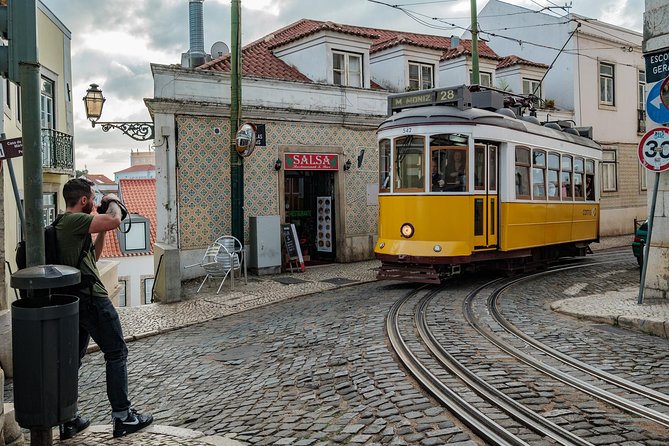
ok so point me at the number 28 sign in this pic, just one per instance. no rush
(654, 149)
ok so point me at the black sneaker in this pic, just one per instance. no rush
(71, 428)
(134, 422)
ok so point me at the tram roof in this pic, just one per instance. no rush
(442, 114)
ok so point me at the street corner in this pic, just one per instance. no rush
(155, 435)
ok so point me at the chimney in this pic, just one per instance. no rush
(196, 51)
(455, 41)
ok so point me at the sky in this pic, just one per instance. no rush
(114, 43)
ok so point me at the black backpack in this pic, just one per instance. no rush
(51, 248)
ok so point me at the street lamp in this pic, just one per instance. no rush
(93, 101)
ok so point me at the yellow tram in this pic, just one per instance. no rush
(461, 185)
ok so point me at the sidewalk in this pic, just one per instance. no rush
(616, 308)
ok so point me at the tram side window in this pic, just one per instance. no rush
(589, 180)
(538, 175)
(409, 164)
(553, 176)
(578, 179)
(384, 165)
(522, 178)
(492, 168)
(565, 178)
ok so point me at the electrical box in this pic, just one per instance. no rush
(265, 249)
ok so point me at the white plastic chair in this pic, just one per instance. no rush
(221, 259)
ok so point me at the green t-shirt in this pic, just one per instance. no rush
(71, 232)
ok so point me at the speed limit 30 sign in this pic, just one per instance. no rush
(654, 149)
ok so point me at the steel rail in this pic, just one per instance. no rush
(603, 375)
(608, 397)
(479, 423)
(514, 409)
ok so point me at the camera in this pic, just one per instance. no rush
(102, 209)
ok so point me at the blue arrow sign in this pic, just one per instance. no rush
(657, 111)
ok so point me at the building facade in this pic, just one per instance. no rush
(57, 132)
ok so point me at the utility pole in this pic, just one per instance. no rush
(236, 161)
(475, 45)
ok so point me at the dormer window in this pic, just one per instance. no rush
(135, 237)
(420, 76)
(347, 69)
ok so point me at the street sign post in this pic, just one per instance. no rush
(11, 148)
(653, 154)
(657, 110)
(653, 150)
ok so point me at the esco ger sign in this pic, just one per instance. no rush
(654, 150)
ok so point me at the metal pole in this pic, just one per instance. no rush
(236, 161)
(475, 45)
(32, 162)
(646, 248)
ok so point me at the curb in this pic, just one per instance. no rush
(101, 434)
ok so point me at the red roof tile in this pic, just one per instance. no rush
(99, 179)
(259, 60)
(516, 60)
(139, 196)
(465, 49)
(138, 168)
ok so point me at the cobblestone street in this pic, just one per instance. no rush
(313, 370)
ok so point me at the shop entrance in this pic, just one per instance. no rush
(309, 200)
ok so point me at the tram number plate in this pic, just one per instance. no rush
(447, 95)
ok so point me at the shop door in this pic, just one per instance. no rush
(486, 203)
(309, 205)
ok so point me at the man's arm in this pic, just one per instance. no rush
(106, 222)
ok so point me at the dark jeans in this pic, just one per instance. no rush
(99, 320)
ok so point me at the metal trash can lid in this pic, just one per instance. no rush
(42, 277)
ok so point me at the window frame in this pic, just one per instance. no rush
(47, 103)
(388, 179)
(555, 169)
(578, 173)
(147, 295)
(421, 81)
(397, 164)
(123, 291)
(536, 167)
(569, 170)
(526, 166)
(531, 83)
(612, 166)
(345, 70)
(135, 219)
(604, 80)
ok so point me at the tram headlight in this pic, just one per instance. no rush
(437, 248)
(407, 230)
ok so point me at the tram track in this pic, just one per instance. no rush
(489, 428)
(618, 401)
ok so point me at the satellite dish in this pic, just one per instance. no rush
(219, 49)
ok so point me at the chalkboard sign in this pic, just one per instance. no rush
(292, 244)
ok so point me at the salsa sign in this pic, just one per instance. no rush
(654, 150)
(311, 161)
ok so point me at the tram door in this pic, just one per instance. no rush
(486, 205)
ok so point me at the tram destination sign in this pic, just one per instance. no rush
(654, 150)
(456, 96)
(657, 66)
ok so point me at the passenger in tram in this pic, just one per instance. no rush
(455, 172)
(438, 180)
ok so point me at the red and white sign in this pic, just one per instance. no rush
(311, 161)
(654, 149)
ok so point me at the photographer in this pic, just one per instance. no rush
(98, 318)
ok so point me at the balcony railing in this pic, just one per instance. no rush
(57, 150)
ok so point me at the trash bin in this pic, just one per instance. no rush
(45, 338)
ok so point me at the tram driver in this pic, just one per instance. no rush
(455, 173)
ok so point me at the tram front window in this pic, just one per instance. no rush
(448, 162)
(409, 164)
